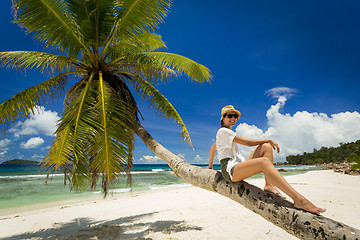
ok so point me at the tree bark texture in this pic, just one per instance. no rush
(278, 211)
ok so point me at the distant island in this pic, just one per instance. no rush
(20, 161)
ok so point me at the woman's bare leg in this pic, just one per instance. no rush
(265, 150)
(257, 165)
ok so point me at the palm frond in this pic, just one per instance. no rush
(51, 23)
(75, 90)
(181, 64)
(40, 60)
(146, 42)
(76, 129)
(24, 103)
(59, 154)
(137, 17)
(80, 116)
(154, 73)
(113, 144)
(95, 19)
(100, 138)
(160, 103)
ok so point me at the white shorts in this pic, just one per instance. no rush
(231, 164)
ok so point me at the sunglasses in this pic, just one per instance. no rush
(232, 115)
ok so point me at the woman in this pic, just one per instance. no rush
(235, 168)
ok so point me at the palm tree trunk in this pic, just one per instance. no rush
(280, 212)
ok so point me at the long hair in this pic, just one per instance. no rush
(222, 121)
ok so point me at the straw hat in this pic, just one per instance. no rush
(229, 108)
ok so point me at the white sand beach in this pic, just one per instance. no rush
(178, 213)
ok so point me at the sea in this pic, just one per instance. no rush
(23, 184)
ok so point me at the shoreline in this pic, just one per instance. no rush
(180, 213)
(342, 167)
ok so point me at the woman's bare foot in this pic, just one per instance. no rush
(306, 205)
(273, 190)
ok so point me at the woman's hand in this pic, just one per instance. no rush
(274, 145)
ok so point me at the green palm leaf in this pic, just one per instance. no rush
(82, 121)
(141, 16)
(153, 73)
(137, 17)
(51, 23)
(76, 129)
(59, 154)
(113, 144)
(40, 60)
(146, 42)
(79, 115)
(180, 64)
(94, 19)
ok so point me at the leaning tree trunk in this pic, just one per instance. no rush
(280, 212)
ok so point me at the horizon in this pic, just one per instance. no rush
(290, 68)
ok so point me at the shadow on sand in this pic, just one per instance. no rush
(122, 228)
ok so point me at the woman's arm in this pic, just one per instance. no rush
(256, 142)
(212, 155)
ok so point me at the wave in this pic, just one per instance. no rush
(30, 176)
(299, 168)
(115, 190)
(153, 171)
(120, 190)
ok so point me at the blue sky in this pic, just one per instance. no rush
(290, 67)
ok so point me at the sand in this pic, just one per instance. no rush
(179, 213)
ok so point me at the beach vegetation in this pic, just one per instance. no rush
(355, 157)
(345, 151)
(100, 51)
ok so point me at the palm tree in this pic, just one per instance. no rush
(108, 47)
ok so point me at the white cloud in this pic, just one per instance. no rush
(42, 122)
(45, 148)
(3, 147)
(303, 131)
(5, 142)
(281, 92)
(32, 143)
(150, 159)
(198, 159)
(19, 156)
(3, 152)
(37, 157)
(156, 159)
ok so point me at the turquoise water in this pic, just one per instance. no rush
(22, 185)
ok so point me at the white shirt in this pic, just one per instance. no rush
(227, 148)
